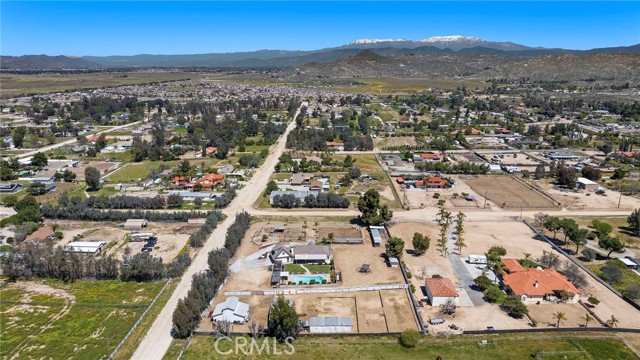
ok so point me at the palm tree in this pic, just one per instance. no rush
(527, 258)
(559, 316)
(613, 321)
(586, 319)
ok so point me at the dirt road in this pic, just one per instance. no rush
(158, 338)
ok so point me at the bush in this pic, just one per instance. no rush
(436, 196)
(410, 338)
(413, 288)
(591, 235)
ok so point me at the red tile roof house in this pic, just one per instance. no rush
(208, 181)
(436, 182)
(42, 234)
(536, 285)
(440, 290)
(430, 157)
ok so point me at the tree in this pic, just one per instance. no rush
(553, 224)
(549, 259)
(271, 186)
(174, 201)
(579, 237)
(613, 321)
(634, 222)
(284, 322)
(495, 253)
(560, 317)
(605, 148)
(36, 188)
(610, 244)
(632, 291)
(540, 218)
(483, 281)
(410, 338)
(591, 173)
(567, 177)
(197, 202)
(420, 243)
(372, 212)
(618, 174)
(540, 172)
(92, 178)
(459, 232)
(515, 307)
(589, 254)
(575, 275)
(586, 319)
(612, 273)
(601, 227)
(394, 247)
(354, 172)
(593, 301)
(493, 293)
(568, 226)
(444, 220)
(39, 160)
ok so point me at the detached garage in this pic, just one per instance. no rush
(586, 184)
(329, 324)
(440, 290)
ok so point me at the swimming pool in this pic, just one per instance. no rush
(306, 279)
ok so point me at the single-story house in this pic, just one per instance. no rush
(533, 285)
(300, 178)
(85, 247)
(192, 195)
(42, 234)
(436, 182)
(329, 324)
(440, 290)
(227, 169)
(10, 188)
(44, 180)
(210, 150)
(586, 184)
(208, 181)
(301, 254)
(135, 224)
(231, 310)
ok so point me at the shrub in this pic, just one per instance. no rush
(413, 288)
(436, 196)
(410, 338)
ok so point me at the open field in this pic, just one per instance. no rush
(79, 320)
(507, 347)
(507, 192)
(619, 225)
(101, 166)
(580, 199)
(23, 84)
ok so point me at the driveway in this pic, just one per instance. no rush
(465, 277)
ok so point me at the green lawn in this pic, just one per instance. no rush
(630, 277)
(294, 268)
(507, 346)
(325, 269)
(80, 320)
(619, 224)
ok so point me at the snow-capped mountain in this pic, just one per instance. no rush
(453, 42)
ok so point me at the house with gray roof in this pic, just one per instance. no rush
(231, 310)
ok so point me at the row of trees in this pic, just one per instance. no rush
(322, 200)
(205, 285)
(198, 238)
(578, 236)
(125, 202)
(449, 168)
(76, 211)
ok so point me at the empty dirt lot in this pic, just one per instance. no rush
(349, 258)
(507, 192)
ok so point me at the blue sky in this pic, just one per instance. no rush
(148, 27)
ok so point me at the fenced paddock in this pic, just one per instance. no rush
(507, 192)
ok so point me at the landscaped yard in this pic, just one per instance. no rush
(294, 268)
(506, 346)
(323, 269)
(628, 278)
(80, 320)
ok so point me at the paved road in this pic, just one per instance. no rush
(72, 141)
(466, 279)
(158, 338)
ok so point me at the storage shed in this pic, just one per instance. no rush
(85, 247)
(440, 290)
(586, 184)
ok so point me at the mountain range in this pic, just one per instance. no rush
(443, 56)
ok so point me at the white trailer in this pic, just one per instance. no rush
(477, 259)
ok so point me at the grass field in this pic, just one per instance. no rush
(130, 346)
(507, 346)
(619, 224)
(23, 84)
(49, 319)
(630, 277)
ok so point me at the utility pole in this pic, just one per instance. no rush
(485, 200)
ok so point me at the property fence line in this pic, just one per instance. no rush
(579, 264)
(318, 290)
(186, 345)
(115, 351)
(548, 330)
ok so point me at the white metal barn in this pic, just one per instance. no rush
(329, 324)
(85, 247)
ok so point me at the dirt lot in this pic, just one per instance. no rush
(394, 141)
(170, 239)
(507, 192)
(516, 237)
(102, 166)
(580, 200)
(339, 231)
(349, 258)
(574, 312)
(292, 232)
(472, 318)
(418, 198)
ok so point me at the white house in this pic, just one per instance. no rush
(231, 310)
(440, 290)
(301, 254)
(281, 253)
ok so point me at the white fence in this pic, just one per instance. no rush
(318, 290)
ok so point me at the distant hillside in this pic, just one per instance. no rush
(45, 62)
(615, 68)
